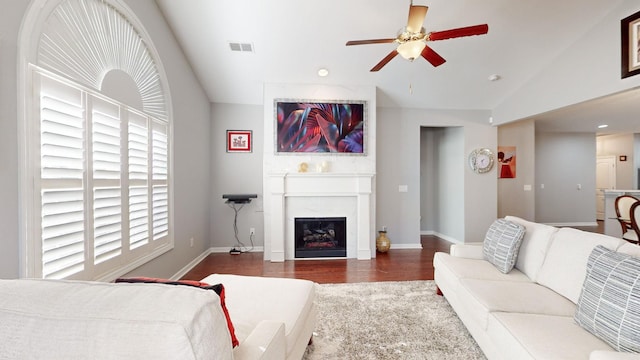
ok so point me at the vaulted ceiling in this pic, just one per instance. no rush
(292, 39)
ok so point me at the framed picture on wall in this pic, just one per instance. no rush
(630, 35)
(239, 140)
(311, 126)
(507, 162)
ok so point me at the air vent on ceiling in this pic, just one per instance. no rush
(242, 47)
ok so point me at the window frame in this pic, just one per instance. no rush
(129, 259)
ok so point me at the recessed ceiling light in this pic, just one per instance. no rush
(322, 72)
(602, 126)
(494, 77)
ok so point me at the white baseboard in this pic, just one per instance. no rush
(201, 257)
(572, 224)
(191, 265)
(406, 246)
(227, 249)
(441, 236)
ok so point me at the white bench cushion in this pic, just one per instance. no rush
(56, 319)
(251, 300)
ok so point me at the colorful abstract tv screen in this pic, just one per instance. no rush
(320, 127)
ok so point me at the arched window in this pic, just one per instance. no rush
(96, 142)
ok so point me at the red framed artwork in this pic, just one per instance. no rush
(314, 126)
(239, 140)
(507, 162)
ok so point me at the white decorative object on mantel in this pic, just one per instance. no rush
(311, 194)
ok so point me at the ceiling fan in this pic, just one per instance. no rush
(412, 39)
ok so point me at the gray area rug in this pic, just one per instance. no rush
(388, 320)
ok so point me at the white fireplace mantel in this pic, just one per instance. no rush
(283, 188)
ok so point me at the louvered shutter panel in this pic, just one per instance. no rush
(62, 186)
(138, 180)
(160, 170)
(107, 193)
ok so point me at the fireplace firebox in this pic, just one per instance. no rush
(320, 237)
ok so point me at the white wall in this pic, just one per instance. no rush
(191, 144)
(564, 160)
(587, 70)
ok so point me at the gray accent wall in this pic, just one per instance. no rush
(564, 160)
(236, 173)
(516, 196)
(460, 204)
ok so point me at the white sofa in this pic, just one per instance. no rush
(58, 319)
(528, 313)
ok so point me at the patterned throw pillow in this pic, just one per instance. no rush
(218, 288)
(501, 244)
(609, 305)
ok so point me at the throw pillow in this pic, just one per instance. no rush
(609, 305)
(218, 288)
(501, 244)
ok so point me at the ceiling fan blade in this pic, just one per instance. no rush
(384, 61)
(459, 32)
(372, 41)
(433, 57)
(417, 14)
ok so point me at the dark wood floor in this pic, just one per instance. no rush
(394, 265)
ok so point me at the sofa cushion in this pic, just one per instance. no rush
(565, 265)
(501, 244)
(462, 268)
(629, 249)
(609, 305)
(59, 319)
(483, 297)
(218, 288)
(535, 244)
(535, 336)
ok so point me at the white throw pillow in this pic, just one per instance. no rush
(609, 305)
(501, 244)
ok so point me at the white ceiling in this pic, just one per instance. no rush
(293, 39)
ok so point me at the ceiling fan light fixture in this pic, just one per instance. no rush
(411, 50)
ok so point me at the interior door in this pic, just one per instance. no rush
(605, 180)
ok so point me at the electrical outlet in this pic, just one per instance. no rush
(252, 231)
(191, 241)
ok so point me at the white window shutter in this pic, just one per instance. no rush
(107, 193)
(138, 150)
(160, 197)
(62, 154)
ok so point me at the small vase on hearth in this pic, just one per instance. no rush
(382, 242)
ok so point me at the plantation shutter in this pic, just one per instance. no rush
(160, 181)
(138, 180)
(107, 197)
(62, 185)
(103, 188)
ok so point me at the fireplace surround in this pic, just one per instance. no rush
(292, 195)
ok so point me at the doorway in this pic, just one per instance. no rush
(605, 180)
